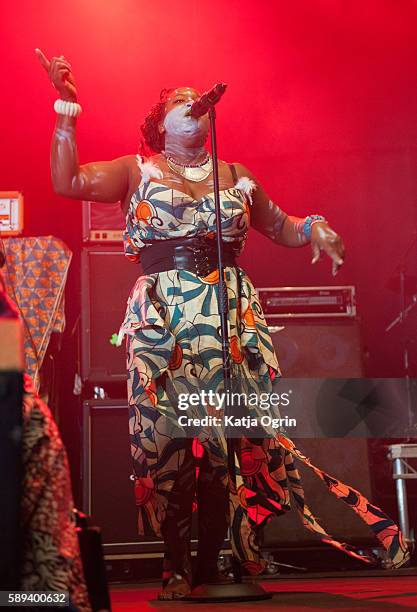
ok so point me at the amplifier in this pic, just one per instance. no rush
(347, 459)
(11, 213)
(318, 348)
(297, 302)
(102, 222)
(107, 278)
(108, 481)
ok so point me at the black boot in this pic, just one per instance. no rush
(176, 527)
(213, 504)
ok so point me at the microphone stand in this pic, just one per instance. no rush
(238, 590)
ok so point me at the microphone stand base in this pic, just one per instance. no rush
(235, 591)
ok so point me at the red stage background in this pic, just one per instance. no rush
(321, 105)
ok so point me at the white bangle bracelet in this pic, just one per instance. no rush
(64, 107)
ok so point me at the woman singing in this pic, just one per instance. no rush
(173, 341)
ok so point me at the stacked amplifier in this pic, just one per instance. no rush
(315, 332)
(107, 278)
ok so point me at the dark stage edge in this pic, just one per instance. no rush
(371, 573)
(350, 593)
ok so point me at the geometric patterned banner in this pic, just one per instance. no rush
(35, 273)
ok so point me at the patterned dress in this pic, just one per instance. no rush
(174, 347)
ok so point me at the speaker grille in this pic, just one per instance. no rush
(107, 279)
(319, 349)
(108, 478)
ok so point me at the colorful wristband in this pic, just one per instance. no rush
(309, 221)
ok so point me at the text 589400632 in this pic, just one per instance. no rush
(34, 598)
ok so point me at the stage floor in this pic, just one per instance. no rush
(321, 592)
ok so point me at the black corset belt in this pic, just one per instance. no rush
(197, 255)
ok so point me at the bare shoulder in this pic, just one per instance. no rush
(130, 163)
(119, 167)
(127, 161)
(136, 165)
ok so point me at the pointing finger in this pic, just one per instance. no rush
(336, 265)
(43, 59)
(332, 249)
(316, 253)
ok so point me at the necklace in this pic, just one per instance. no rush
(191, 172)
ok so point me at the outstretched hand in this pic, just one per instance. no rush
(323, 238)
(59, 72)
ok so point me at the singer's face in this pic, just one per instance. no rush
(177, 122)
(181, 95)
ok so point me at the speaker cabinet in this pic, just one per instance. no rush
(107, 278)
(108, 491)
(348, 460)
(318, 348)
(108, 494)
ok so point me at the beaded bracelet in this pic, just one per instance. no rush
(64, 107)
(309, 221)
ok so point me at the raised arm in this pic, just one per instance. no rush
(106, 181)
(287, 230)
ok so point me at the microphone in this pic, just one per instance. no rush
(208, 99)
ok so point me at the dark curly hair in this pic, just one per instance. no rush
(152, 140)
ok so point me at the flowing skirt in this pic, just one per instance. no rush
(174, 350)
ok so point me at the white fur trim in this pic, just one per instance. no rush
(246, 185)
(148, 169)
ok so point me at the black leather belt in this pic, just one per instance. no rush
(197, 255)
